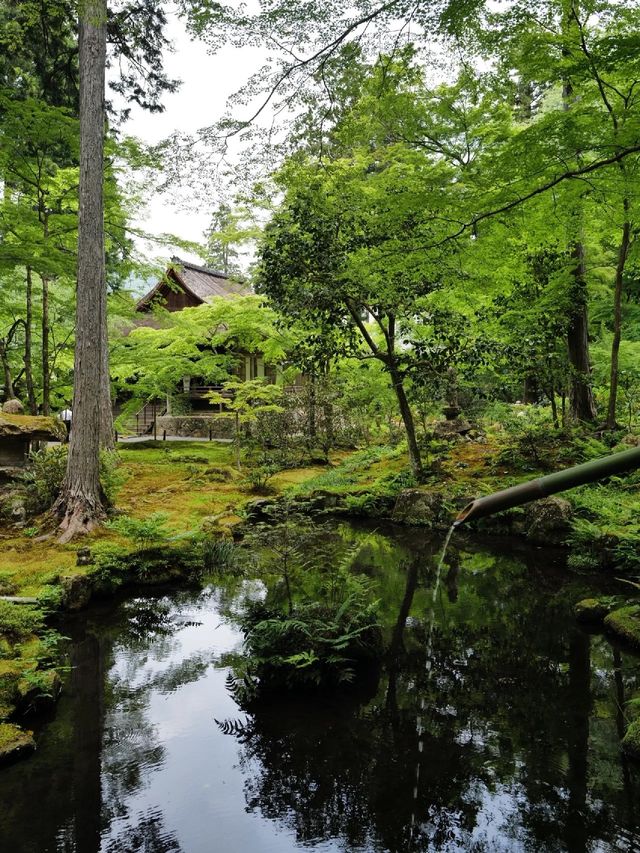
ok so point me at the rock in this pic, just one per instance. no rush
(258, 510)
(76, 591)
(18, 512)
(413, 506)
(84, 557)
(13, 407)
(548, 521)
(197, 426)
(593, 610)
(452, 428)
(631, 740)
(15, 743)
(631, 439)
(41, 692)
(625, 624)
(31, 427)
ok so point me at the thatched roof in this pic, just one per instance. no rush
(201, 282)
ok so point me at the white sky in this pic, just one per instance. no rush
(207, 83)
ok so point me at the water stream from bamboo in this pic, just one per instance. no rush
(420, 727)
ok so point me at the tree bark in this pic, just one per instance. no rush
(46, 370)
(80, 504)
(9, 393)
(406, 414)
(28, 346)
(623, 253)
(582, 405)
(107, 437)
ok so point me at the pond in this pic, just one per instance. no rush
(523, 715)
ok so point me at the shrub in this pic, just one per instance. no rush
(143, 532)
(19, 621)
(324, 636)
(221, 556)
(257, 478)
(317, 646)
(42, 480)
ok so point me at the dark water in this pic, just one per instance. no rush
(522, 723)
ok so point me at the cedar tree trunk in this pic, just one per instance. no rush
(80, 504)
(28, 346)
(46, 369)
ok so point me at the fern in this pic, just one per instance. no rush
(238, 728)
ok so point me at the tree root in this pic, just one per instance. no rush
(78, 516)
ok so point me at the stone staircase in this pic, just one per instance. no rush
(141, 423)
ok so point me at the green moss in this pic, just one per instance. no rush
(14, 742)
(625, 624)
(593, 609)
(631, 740)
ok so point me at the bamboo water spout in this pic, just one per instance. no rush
(588, 472)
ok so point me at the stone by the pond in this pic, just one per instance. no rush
(548, 521)
(14, 743)
(413, 506)
(84, 557)
(258, 509)
(631, 740)
(40, 692)
(593, 609)
(625, 624)
(76, 591)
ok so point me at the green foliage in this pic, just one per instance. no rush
(221, 556)
(321, 644)
(43, 477)
(19, 621)
(257, 477)
(110, 567)
(144, 533)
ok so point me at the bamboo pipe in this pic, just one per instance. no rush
(588, 472)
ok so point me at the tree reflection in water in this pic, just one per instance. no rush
(506, 764)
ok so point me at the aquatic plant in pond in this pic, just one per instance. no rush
(318, 625)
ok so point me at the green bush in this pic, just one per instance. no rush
(319, 645)
(19, 621)
(257, 478)
(221, 556)
(42, 479)
(110, 566)
(143, 532)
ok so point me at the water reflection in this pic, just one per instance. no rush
(521, 750)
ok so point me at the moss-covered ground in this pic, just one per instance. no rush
(197, 487)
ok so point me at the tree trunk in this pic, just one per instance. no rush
(107, 437)
(9, 393)
(312, 409)
(623, 252)
(28, 348)
(582, 406)
(80, 505)
(407, 419)
(46, 371)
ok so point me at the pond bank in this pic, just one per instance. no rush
(201, 493)
(522, 731)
